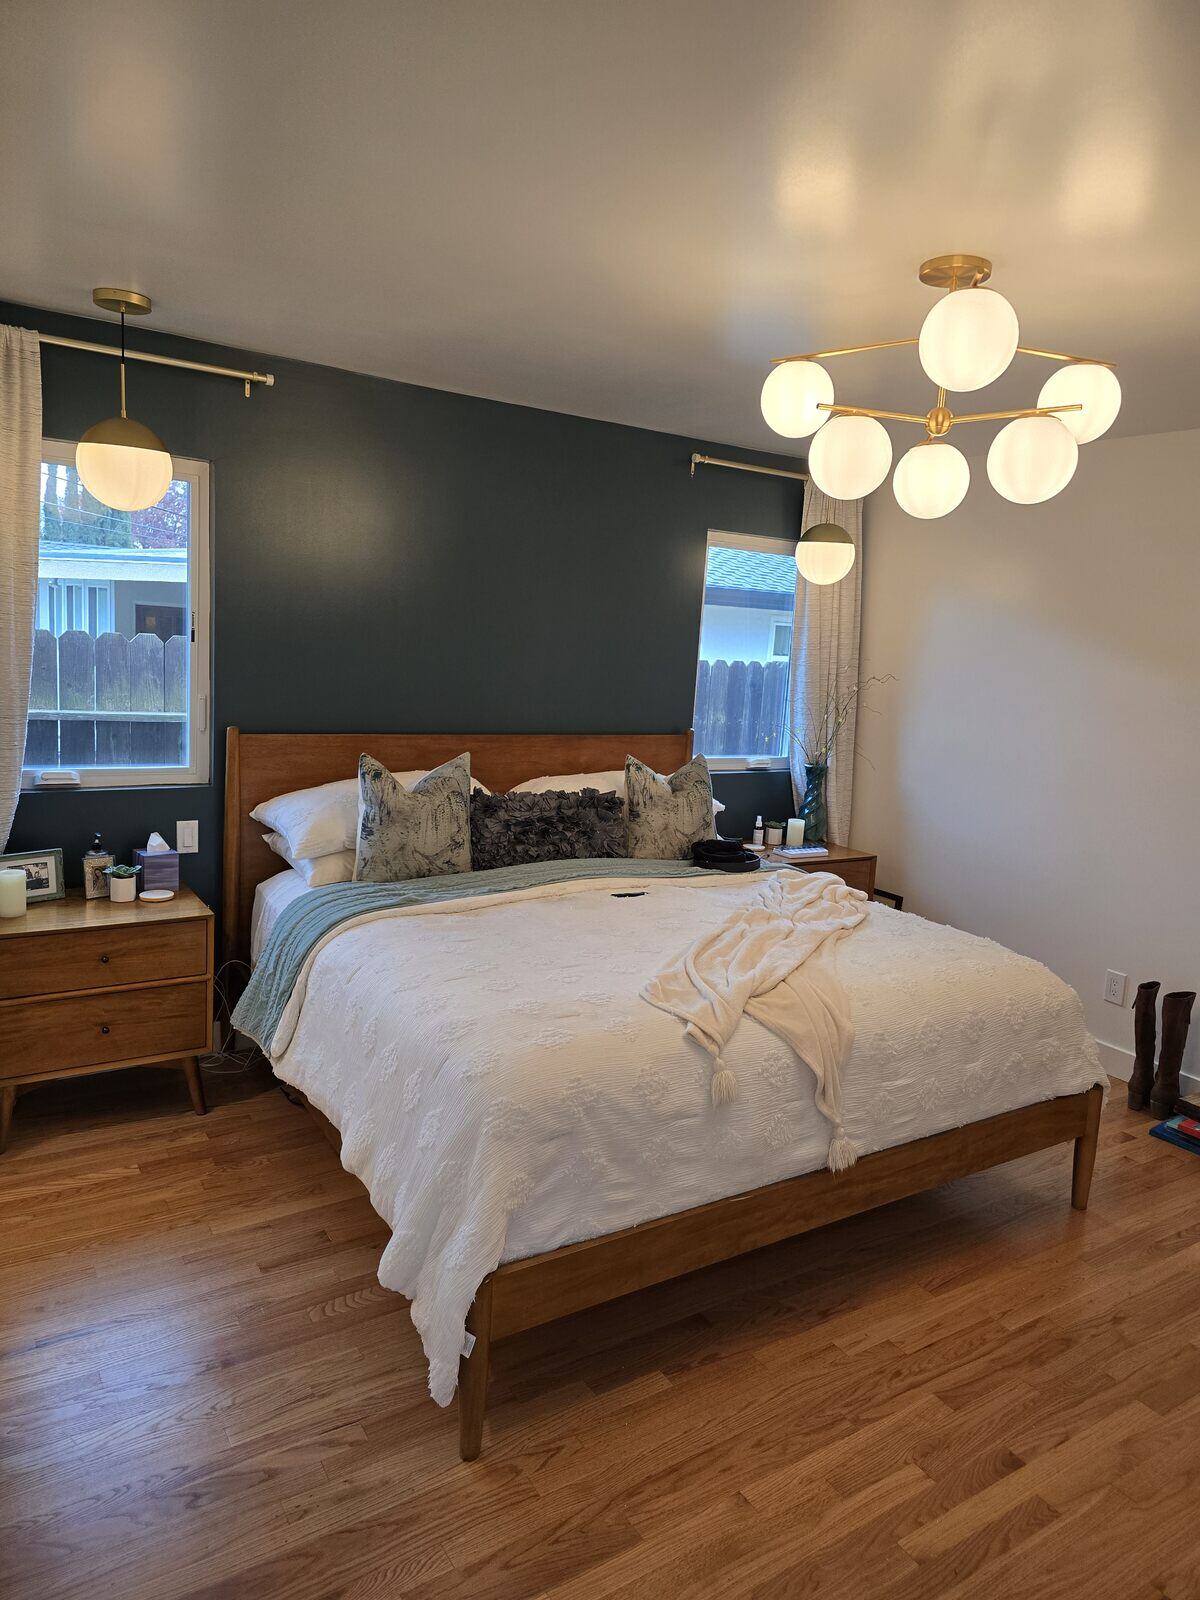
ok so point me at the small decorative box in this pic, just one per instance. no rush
(160, 868)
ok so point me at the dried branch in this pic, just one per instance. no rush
(828, 714)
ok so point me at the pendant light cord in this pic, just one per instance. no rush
(122, 363)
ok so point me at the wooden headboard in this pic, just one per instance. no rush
(259, 765)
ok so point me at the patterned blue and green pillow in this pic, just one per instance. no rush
(665, 817)
(422, 832)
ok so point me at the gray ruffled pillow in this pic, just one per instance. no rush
(666, 816)
(508, 830)
(422, 832)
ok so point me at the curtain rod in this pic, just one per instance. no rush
(745, 466)
(162, 361)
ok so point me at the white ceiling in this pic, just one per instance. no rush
(619, 208)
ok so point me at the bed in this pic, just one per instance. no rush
(538, 1147)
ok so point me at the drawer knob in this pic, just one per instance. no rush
(103, 961)
(104, 1027)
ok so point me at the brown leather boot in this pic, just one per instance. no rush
(1142, 1078)
(1177, 1012)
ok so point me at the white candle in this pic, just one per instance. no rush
(795, 831)
(12, 891)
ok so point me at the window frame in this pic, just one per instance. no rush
(766, 544)
(199, 587)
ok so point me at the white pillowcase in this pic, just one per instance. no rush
(606, 782)
(317, 871)
(321, 821)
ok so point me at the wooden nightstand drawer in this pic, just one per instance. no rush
(80, 1031)
(97, 958)
(858, 874)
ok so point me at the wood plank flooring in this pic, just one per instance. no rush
(204, 1392)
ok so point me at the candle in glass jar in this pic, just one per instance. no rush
(795, 831)
(12, 891)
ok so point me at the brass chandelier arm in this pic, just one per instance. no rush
(870, 411)
(895, 344)
(850, 350)
(1058, 355)
(1023, 411)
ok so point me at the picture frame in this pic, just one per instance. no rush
(95, 883)
(43, 873)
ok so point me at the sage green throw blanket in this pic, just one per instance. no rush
(312, 916)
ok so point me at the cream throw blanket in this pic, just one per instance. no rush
(773, 959)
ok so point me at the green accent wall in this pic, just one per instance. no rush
(386, 557)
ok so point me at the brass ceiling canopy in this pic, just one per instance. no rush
(955, 272)
(122, 302)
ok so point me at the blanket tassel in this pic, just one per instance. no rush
(724, 1087)
(842, 1153)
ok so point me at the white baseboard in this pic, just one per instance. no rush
(1118, 1063)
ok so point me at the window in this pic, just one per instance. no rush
(741, 713)
(120, 683)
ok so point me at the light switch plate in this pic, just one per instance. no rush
(187, 838)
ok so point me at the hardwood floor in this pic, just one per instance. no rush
(975, 1392)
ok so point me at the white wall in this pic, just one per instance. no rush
(1034, 773)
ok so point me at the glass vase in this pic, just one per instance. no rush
(816, 818)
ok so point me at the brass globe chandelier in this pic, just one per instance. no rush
(967, 341)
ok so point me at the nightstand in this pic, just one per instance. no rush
(92, 985)
(855, 867)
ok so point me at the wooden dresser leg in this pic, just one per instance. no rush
(191, 1071)
(8, 1099)
(1085, 1151)
(473, 1374)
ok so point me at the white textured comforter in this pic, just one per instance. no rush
(502, 1089)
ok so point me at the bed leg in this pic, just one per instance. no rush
(1085, 1151)
(473, 1374)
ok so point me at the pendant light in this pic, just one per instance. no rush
(967, 340)
(849, 457)
(1096, 388)
(1032, 459)
(825, 553)
(931, 479)
(791, 396)
(120, 461)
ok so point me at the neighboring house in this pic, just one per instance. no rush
(749, 602)
(105, 589)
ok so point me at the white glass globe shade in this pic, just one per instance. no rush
(931, 479)
(825, 554)
(968, 339)
(1093, 387)
(850, 457)
(1032, 459)
(123, 464)
(790, 397)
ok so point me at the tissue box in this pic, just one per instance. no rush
(160, 868)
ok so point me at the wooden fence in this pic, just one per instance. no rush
(107, 702)
(741, 708)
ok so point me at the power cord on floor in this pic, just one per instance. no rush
(226, 1060)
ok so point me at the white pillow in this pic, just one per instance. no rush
(323, 820)
(317, 871)
(606, 782)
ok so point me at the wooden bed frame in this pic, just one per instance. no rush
(524, 1294)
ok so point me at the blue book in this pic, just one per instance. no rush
(1169, 1132)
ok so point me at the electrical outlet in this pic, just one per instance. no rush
(1114, 988)
(187, 838)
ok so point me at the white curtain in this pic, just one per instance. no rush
(825, 657)
(20, 498)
